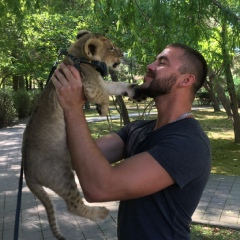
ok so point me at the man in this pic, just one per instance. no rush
(167, 161)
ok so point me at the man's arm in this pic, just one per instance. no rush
(137, 176)
(112, 147)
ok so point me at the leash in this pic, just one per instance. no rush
(101, 67)
(18, 208)
(54, 67)
(20, 182)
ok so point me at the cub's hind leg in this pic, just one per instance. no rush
(70, 193)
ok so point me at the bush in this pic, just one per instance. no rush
(22, 103)
(34, 95)
(7, 110)
(204, 98)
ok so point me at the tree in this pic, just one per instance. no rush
(141, 28)
(227, 61)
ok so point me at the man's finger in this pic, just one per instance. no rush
(74, 72)
(55, 82)
(67, 73)
(60, 75)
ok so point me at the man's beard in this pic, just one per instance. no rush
(160, 86)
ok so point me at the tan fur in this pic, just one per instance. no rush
(45, 152)
(97, 47)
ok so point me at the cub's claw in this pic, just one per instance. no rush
(139, 95)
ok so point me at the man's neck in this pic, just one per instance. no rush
(169, 110)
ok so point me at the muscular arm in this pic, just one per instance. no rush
(137, 176)
(112, 147)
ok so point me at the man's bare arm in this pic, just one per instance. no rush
(137, 176)
(112, 147)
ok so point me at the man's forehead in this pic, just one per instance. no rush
(170, 53)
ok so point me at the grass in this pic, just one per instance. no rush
(225, 152)
(225, 157)
(205, 232)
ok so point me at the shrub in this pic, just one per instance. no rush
(7, 110)
(204, 98)
(34, 95)
(22, 103)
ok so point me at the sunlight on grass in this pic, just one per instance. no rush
(225, 152)
(200, 232)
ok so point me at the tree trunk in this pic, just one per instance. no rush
(209, 87)
(230, 83)
(15, 83)
(21, 82)
(18, 83)
(220, 93)
(122, 107)
(223, 99)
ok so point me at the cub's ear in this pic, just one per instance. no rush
(92, 47)
(82, 33)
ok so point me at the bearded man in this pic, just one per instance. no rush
(167, 161)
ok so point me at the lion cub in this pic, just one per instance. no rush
(45, 154)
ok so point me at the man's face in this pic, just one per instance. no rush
(162, 74)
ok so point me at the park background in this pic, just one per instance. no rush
(32, 32)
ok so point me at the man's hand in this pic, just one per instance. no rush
(69, 87)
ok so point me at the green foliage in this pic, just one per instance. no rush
(22, 103)
(203, 98)
(34, 96)
(7, 110)
(32, 32)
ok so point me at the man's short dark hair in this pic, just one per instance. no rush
(193, 63)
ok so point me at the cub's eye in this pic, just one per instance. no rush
(112, 49)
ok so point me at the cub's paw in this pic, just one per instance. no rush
(129, 91)
(102, 213)
(139, 95)
(99, 213)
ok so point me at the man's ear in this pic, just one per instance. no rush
(187, 80)
(92, 47)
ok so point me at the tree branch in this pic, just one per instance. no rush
(226, 10)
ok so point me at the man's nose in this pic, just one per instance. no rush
(151, 66)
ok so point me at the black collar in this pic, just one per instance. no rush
(101, 67)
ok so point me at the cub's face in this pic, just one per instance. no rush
(97, 47)
(111, 54)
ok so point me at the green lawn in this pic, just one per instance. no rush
(225, 152)
(203, 232)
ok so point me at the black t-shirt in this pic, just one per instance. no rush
(183, 150)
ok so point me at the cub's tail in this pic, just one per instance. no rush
(43, 196)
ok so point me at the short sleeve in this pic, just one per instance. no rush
(182, 157)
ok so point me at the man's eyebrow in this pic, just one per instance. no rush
(162, 58)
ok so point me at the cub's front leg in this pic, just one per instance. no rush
(119, 88)
(97, 94)
(124, 89)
